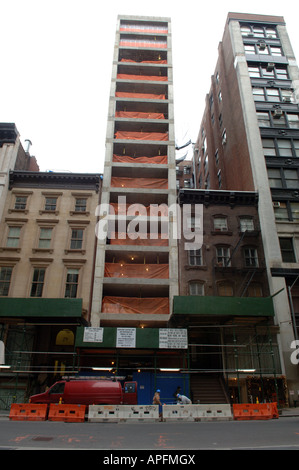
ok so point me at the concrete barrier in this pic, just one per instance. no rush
(115, 413)
(197, 412)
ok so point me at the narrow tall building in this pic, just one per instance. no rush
(136, 263)
(249, 141)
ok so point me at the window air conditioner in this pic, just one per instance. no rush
(287, 99)
(270, 66)
(277, 113)
(262, 46)
(276, 204)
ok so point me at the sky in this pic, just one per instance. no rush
(57, 62)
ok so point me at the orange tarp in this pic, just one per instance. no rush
(138, 115)
(138, 241)
(135, 209)
(135, 305)
(162, 61)
(148, 96)
(141, 135)
(156, 78)
(144, 30)
(159, 159)
(147, 183)
(143, 43)
(145, 271)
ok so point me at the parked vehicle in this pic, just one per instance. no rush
(89, 392)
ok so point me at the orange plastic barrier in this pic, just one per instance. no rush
(135, 305)
(28, 412)
(147, 271)
(158, 159)
(251, 411)
(141, 135)
(148, 96)
(138, 115)
(67, 413)
(146, 183)
(143, 43)
(152, 78)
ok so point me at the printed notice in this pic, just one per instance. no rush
(171, 338)
(126, 338)
(93, 335)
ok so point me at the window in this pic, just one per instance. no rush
(71, 286)
(195, 257)
(293, 120)
(80, 205)
(50, 203)
(219, 178)
(281, 211)
(246, 224)
(196, 288)
(20, 203)
(223, 256)
(225, 289)
(188, 183)
(287, 250)
(251, 258)
(13, 237)
(258, 31)
(37, 282)
(283, 178)
(220, 224)
(263, 119)
(270, 71)
(5, 278)
(45, 238)
(76, 239)
(286, 148)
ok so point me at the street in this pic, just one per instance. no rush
(159, 437)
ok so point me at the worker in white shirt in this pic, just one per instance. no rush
(183, 400)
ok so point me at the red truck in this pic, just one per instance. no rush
(89, 392)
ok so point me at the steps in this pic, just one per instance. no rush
(207, 389)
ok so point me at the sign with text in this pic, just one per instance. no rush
(171, 338)
(93, 335)
(126, 338)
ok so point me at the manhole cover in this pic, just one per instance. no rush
(42, 438)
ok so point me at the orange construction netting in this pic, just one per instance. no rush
(159, 159)
(141, 135)
(154, 210)
(147, 96)
(143, 43)
(153, 78)
(144, 271)
(162, 61)
(143, 30)
(124, 239)
(147, 183)
(157, 305)
(138, 115)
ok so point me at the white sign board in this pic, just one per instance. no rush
(172, 338)
(2, 353)
(126, 338)
(93, 335)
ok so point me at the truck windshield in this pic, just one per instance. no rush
(57, 388)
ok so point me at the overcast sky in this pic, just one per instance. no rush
(56, 63)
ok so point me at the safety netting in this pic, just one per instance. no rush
(148, 305)
(163, 136)
(145, 183)
(152, 78)
(123, 238)
(143, 271)
(138, 115)
(154, 210)
(147, 96)
(158, 159)
(145, 29)
(143, 43)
